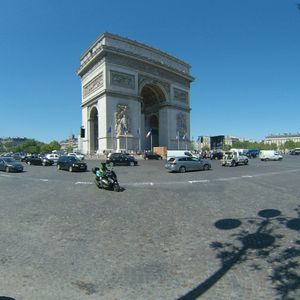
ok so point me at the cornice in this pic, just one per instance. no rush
(111, 93)
(175, 106)
(108, 49)
(135, 43)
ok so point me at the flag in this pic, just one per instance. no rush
(177, 136)
(109, 129)
(198, 139)
(149, 133)
(184, 137)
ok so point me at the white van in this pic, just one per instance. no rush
(177, 153)
(270, 155)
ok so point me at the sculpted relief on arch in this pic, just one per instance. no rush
(122, 120)
(181, 124)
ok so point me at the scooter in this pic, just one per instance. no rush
(109, 181)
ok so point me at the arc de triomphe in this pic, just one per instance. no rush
(129, 89)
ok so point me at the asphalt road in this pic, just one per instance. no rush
(228, 233)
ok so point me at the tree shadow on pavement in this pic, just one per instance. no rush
(6, 298)
(263, 243)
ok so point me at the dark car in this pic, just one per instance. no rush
(38, 160)
(252, 153)
(8, 164)
(217, 155)
(151, 155)
(121, 159)
(71, 163)
(295, 151)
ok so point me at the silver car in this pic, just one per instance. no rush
(184, 163)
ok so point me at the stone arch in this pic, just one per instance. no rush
(151, 96)
(93, 130)
(154, 83)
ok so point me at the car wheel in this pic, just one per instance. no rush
(44, 164)
(206, 167)
(131, 164)
(58, 167)
(29, 163)
(70, 169)
(182, 169)
(146, 158)
(246, 162)
(233, 164)
(7, 169)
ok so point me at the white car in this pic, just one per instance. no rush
(78, 155)
(53, 156)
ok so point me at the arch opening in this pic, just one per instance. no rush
(94, 135)
(151, 97)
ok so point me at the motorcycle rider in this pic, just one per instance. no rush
(101, 172)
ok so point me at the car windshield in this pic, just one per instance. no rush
(8, 159)
(75, 159)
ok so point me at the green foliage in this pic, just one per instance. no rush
(205, 148)
(254, 145)
(69, 149)
(31, 146)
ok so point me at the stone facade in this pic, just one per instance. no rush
(281, 139)
(129, 89)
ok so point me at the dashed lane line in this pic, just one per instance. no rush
(151, 184)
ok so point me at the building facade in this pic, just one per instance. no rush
(281, 139)
(128, 90)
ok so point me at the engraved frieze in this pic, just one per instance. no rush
(146, 68)
(93, 85)
(122, 79)
(180, 95)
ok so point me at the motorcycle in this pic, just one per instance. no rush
(109, 181)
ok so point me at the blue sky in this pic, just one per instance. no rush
(244, 56)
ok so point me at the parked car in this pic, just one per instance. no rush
(71, 164)
(151, 155)
(185, 163)
(252, 153)
(121, 159)
(18, 156)
(53, 156)
(77, 155)
(295, 151)
(8, 164)
(38, 160)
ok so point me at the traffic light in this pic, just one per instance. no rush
(82, 132)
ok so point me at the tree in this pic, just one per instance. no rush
(54, 145)
(289, 145)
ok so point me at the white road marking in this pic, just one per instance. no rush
(207, 180)
(199, 181)
(152, 184)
